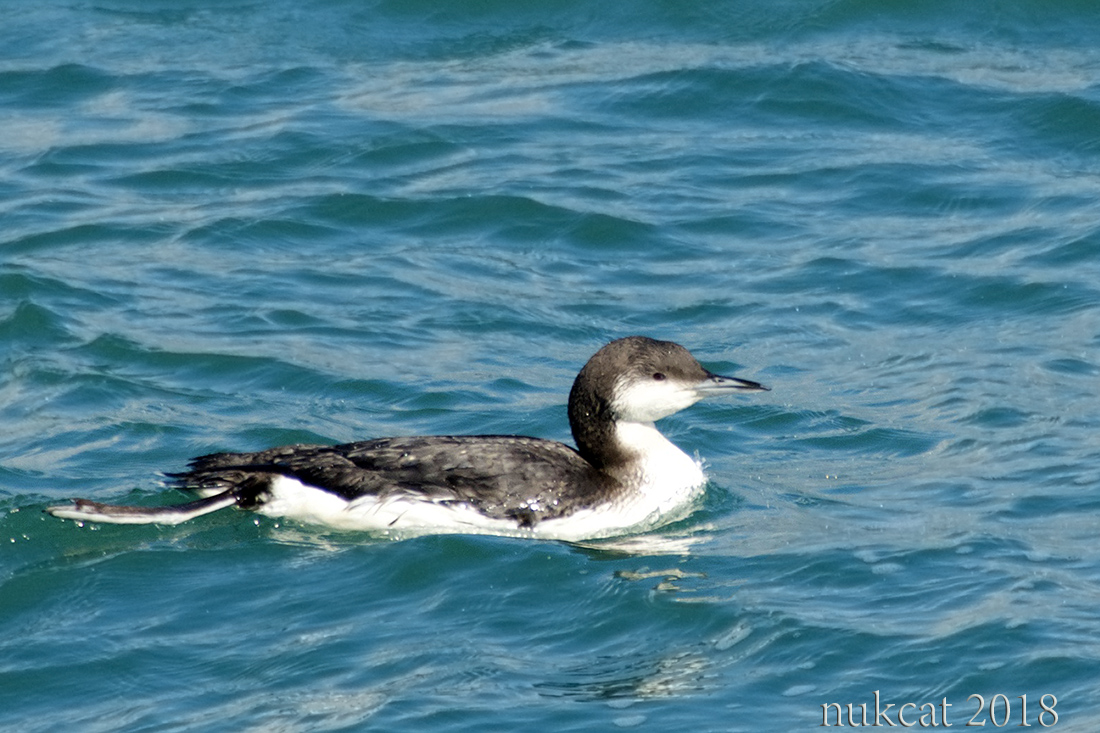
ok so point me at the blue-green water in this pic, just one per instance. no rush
(237, 224)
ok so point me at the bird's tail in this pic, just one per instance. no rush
(83, 510)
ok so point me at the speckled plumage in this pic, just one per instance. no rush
(481, 471)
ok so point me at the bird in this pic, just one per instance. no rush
(623, 475)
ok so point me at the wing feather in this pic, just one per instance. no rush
(502, 476)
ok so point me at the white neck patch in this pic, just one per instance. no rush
(664, 472)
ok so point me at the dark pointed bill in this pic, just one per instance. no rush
(717, 384)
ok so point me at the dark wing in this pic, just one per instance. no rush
(503, 476)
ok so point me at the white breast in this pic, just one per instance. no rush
(665, 474)
(663, 485)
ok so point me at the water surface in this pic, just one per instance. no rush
(233, 225)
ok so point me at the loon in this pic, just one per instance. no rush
(623, 475)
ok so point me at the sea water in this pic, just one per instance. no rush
(232, 225)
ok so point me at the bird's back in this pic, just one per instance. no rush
(519, 478)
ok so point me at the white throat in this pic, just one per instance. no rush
(661, 471)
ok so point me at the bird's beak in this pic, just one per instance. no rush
(716, 384)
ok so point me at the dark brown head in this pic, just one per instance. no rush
(638, 379)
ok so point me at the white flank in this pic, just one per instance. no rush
(668, 481)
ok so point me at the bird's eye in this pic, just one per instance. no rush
(658, 376)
